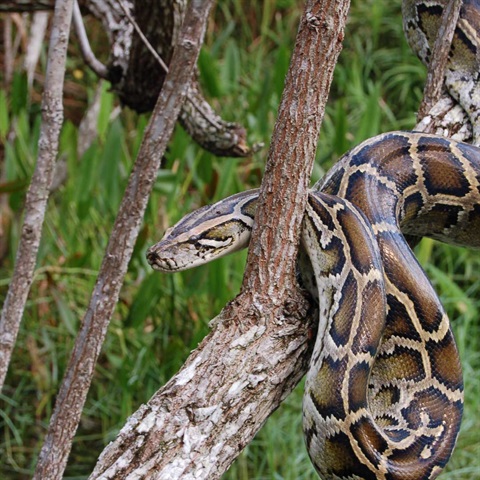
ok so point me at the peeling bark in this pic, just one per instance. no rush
(438, 113)
(446, 118)
(200, 421)
(197, 424)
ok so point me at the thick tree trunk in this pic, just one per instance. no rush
(195, 426)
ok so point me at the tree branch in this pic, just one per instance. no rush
(13, 6)
(438, 113)
(434, 85)
(197, 424)
(448, 119)
(137, 77)
(73, 392)
(37, 196)
(88, 56)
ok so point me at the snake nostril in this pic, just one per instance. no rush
(152, 257)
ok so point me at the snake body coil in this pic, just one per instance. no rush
(384, 392)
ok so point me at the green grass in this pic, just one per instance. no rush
(161, 318)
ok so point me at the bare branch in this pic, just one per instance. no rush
(26, 5)
(37, 196)
(439, 57)
(195, 426)
(137, 77)
(73, 392)
(88, 128)
(98, 67)
(143, 37)
(7, 40)
(37, 34)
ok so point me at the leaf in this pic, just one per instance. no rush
(457, 296)
(231, 69)
(209, 74)
(4, 119)
(106, 105)
(109, 173)
(84, 184)
(66, 314)
(280, 69)
(19, 93)
(145, 301)
(13, 186)
(370, 124)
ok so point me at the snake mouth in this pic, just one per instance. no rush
(165, 261)
(152, 258)
(159, 262)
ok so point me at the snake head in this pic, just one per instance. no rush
(205, 234)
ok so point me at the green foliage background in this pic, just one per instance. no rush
(161, 318)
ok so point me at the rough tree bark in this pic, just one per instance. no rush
(71, 397)
(197, 424)
(37, 196)
(448, 119)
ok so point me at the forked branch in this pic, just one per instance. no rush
(438, 113)
(197, 424)
(434, 86)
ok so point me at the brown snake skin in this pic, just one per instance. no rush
(406, 428)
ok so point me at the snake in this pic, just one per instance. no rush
(421, 21)
(383, 396)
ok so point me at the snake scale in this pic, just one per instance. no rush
(384, 391)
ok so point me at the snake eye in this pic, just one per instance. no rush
(194, 239)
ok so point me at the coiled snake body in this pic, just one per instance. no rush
(384, 392)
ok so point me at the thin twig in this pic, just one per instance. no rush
(37, 195)
(439, 57)
(25, 5)
(87, 53)
(8, 56)
(73, 391)
(38, 29)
